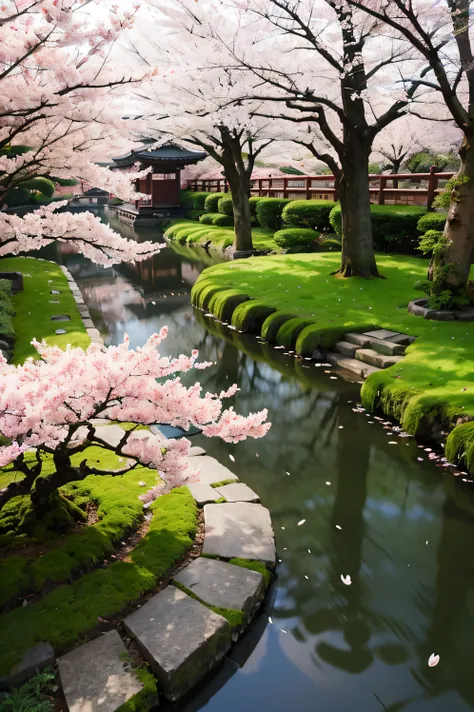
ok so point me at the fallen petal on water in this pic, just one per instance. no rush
(346, 580)
(302, 521)
(433, 660)
(231, 457)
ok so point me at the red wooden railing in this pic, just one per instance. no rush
(384, 188)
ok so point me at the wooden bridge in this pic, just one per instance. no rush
(385, 188)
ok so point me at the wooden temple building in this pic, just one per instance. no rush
(162, 185)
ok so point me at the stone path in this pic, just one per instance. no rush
(93, 333)
(179, 635)
(369, 352)
(180, 638)
(95, 675)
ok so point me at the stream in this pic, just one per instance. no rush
(402, 528)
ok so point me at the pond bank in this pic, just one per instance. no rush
(430, 391)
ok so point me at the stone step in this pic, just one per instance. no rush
(96, 676)
(239, 529)
(224, 585)
(360, 339)
(351, 364)
(375, 359)
(211, 472)
(204, 494)
(389, 348)
(181, 639)
(237, 492)
(402, 339)
(381, 334)
(346, 348)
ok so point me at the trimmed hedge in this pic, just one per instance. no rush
(330, 244)
(272, 324)
(289, 331)
(194, 214)
(223, 303)
(308, 213)
(253, 201)
(196, 200)
(210, 204)
(216, 219)
(269, 212)
(296, 236)
(250, 316)
(224, 205)
(432, 221)
(394, 227)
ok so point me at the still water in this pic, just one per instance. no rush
(402, 529)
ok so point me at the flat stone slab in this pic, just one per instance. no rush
(346, 348)
(360, 339)
(239, 529)
(110, 434)
(223, 585)
(387, 347)
(93, 332)
(381, 333)
(375, 359)
(33, 661)
(211, 472)
(203, 494)
(93, 676)
(196, 450)
(351, 364)
(237, 492)
(181, 639)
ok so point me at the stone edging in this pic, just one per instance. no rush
(186, 629)
(92, 332)
(417, 308)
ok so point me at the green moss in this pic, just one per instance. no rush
(289, 331)
(236, 619)
(460, 445)
(222, 304)
(33, 308)
(314, 336)
(69, 611)
(250, 316)
(223, 482)
(147, 698)
(272, 324)
(258, 566)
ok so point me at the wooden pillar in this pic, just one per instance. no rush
(432, 186)
(307, 188)
(259, 187)
(285, 187)
(382, 186)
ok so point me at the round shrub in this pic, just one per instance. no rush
(272, 324)
(194, 214)
(330, 244)
(269, 212)
(216, 219)
(197, 200)
(296, 236)
(288, 333)
(206, 218)
(253, 200)
(250, 316)
(224, 205)
(308, 213)
(431, 221)
(210, 204)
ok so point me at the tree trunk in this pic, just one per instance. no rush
(450, 268)
(240, 189)
(358, 259)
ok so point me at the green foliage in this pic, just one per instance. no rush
(211, 202)
(330, 244)
(30, 697)
(289, 331)
(269, 212)
(314, 336)
(223, 303)
(253, 202)
(69, 611)
(394, 227)
(196, 200)
(446, 300)
(432, 242)
(194, 214)
(421, 161)
(7, 311)
(272, 324)
(39, 185)
(432, 221)
(258, 566)
(146, 699)
(115, 201)
(291, 171)
(33, 309)
(224, 205)
(295, 237)
(308, 214)
(443, 199)
(250, 316)
(460, 445)
(218, 219)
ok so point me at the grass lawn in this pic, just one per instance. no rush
(435, 382)
(192, 232)
(33, 307)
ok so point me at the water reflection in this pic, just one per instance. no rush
(402, 530)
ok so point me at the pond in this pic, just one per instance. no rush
(399, 526)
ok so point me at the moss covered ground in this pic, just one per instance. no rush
(190, 232)
(435, 382)
(34, 307)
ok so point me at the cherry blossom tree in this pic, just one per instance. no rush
(47, 406)
(441, 35)
(59, 99)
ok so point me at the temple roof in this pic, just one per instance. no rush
(164, 155)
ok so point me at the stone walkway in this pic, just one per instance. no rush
(369, 352)
(177, 631)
